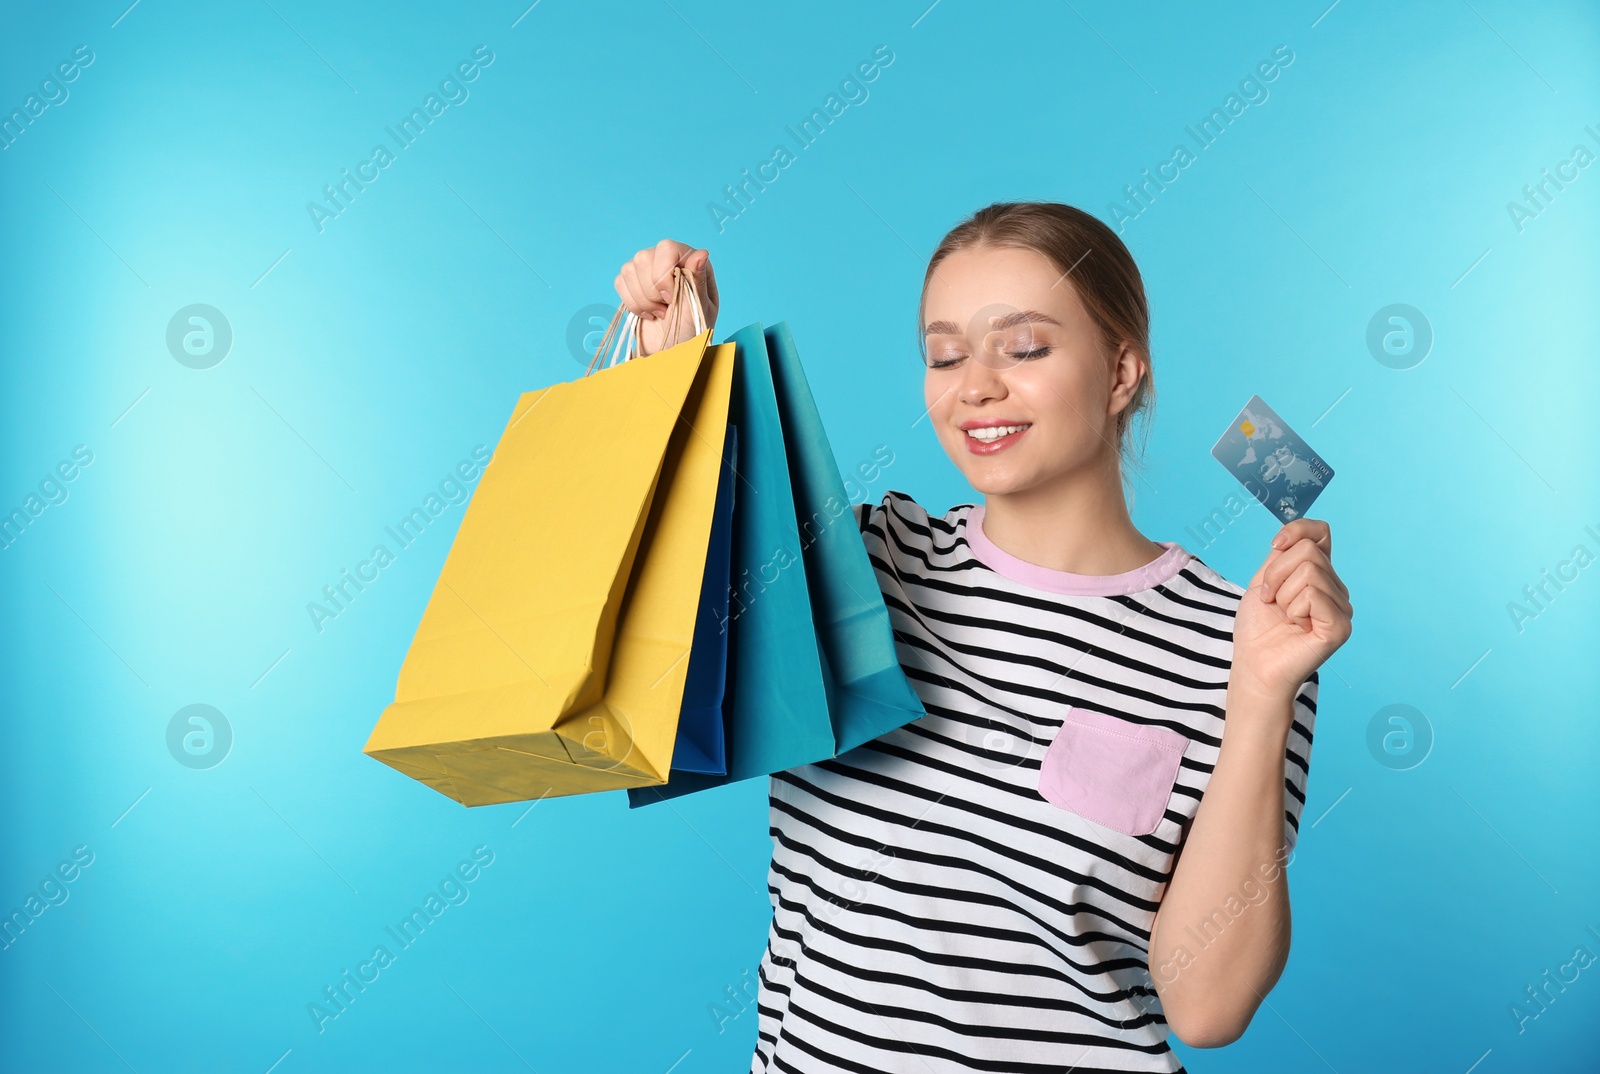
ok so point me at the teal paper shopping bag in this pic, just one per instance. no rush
(868, 692)
(700, 745)
(775, 709)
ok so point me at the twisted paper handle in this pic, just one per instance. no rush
(627, 344)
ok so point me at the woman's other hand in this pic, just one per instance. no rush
(645, 287)
(1293, 616)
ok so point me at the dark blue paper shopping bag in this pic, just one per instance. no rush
(699, 746)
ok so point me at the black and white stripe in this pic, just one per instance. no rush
(932, 913)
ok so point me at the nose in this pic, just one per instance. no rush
(981, 381)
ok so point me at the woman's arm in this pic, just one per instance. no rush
(1221, 935)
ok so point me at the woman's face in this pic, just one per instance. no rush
(1018, 385)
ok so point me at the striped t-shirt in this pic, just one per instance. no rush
(941, 899)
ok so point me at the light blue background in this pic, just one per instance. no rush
(378, 352)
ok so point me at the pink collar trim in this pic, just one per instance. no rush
(1152, 574)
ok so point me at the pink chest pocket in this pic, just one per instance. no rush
(1114, 772)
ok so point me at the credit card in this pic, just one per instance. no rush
(1272, 461)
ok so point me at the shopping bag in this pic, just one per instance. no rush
(834, 642)
(868, 693)
(552, 656)
(700, 745)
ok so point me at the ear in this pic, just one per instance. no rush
(1128, 370)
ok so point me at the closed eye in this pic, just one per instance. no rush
(1021, 356)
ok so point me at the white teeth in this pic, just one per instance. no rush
(995, 432)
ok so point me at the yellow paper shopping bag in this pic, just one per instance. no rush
(552, 655)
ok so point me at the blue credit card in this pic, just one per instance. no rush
(1272, 461)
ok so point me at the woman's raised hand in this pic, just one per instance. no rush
(645, 287)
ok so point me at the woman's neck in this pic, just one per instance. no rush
(1079, 524)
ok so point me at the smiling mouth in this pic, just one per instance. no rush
(993, 439)
(990, 433)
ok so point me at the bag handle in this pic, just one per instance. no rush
(629, 342)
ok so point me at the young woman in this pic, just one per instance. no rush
(1082, 844)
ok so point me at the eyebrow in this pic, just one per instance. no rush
(948, 328)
